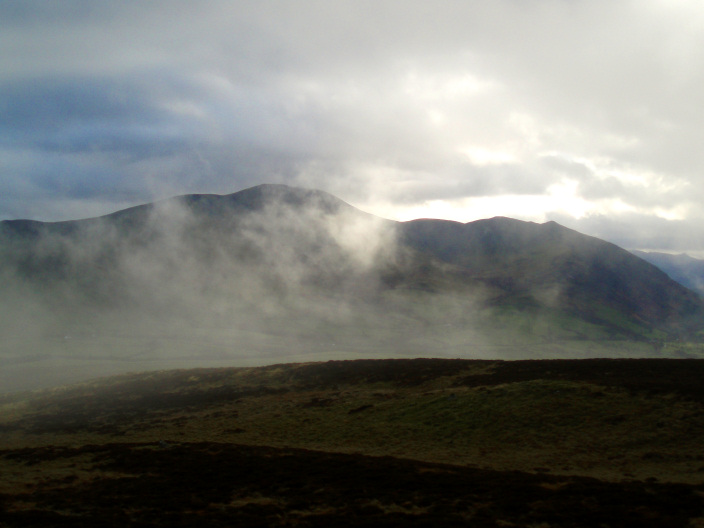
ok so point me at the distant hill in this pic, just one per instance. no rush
(186, 246)
(278, 271)
(686, 270)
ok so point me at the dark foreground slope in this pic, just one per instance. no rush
(217, 484)
(349, 443)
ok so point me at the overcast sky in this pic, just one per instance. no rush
(587, 112)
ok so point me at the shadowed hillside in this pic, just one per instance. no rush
(686, 270)
(293, 242)
(548, 265)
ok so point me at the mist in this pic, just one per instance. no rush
(279, 274)
(196, 281)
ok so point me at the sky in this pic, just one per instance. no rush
(585, 112)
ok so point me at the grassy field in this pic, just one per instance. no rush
(628, 426)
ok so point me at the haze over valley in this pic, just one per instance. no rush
(494, 154)
(279, 274)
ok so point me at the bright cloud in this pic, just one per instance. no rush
(574, 111)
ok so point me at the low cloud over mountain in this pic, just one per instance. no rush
(277, 273)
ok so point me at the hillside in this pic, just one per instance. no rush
(275, 273)
(686, 270)
(284, 239)
(494, 443)
(550, 266)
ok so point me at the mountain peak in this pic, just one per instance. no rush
(262, 196)
(300, 233)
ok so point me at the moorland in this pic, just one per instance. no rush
(414, 442)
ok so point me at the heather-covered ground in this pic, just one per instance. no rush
(395, 442)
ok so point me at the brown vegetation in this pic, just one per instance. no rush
(388, 442)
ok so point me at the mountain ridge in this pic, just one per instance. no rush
(528, 255)
(515, 256)
(280, 271)
(683, 268)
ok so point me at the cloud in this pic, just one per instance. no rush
(635, 230)
(185, 285)
(403, 103)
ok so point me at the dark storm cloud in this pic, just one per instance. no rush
(82, 114)
(82, 137)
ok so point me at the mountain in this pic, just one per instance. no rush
(552, 266)
(286, 242)
(686, 270)
(276, 272)
(194, 241)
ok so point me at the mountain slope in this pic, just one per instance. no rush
(286, 236)
(682, 268)
(550, 265)
(287, 241)
(274, 272)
